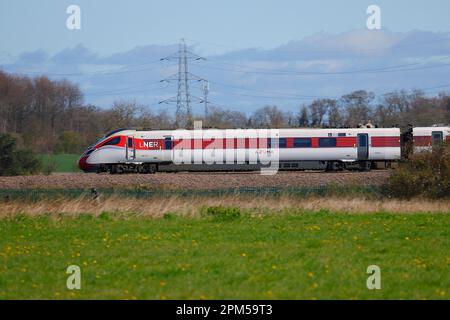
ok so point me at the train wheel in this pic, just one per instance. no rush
(333, 166)
(152, 168)
(113, 169)
(364, 166)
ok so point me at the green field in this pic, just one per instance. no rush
(61, 162)
(291, 256)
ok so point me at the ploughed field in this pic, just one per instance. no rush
(186, 181)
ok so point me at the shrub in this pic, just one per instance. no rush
(222, 213)
(16, 162)
(423, 174)
(49, 167)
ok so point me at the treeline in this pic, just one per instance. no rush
(46, 116)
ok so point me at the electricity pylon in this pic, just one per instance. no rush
(183, 115)
(205, 97)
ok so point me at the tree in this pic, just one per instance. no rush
(303, 120)
(68, 142)
(223, 119)
(7, 149)
(268, 117)
(318, 109)
(357, 106)
(16, 162)
(335, 118)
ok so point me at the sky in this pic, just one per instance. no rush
(258, 52)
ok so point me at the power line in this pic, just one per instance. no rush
(123, 90)
(389, 69)
(41, 73)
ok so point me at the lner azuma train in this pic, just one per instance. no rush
(149, 151)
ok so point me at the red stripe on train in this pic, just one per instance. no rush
(254, 143)
(422, 141)
(385, 142)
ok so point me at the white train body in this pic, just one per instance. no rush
(149, 150)
(425, 137)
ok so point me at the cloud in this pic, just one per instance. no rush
(322, 64)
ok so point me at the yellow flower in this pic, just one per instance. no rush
(310, 274)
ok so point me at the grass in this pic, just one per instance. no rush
(223, 253)
(190, 206)
(62, 162)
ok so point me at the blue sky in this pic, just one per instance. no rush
(115, 26)
(291, 36)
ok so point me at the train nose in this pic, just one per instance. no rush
(82, 163)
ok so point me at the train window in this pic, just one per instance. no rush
(130, 142)
(437, 137)
(327, 142)
(112, 142)
(362, 140)
(282, 143)
(342, 134)
(168, 143)
(302, 142)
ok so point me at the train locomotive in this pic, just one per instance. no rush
(149, 151)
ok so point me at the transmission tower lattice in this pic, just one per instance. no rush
(183, 115)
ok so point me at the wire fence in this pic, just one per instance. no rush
(40, 194)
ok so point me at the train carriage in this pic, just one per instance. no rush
(126, 150)
(424, 138)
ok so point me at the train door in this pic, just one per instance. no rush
(363, 146)
(437, 137)
(130, 150)
(168, 148)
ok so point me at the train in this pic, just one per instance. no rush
(332, 149)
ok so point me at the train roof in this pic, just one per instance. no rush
(286, 132)
(429, 130)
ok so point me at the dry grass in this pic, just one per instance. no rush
(191, 206)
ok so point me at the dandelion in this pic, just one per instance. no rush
(310, 274)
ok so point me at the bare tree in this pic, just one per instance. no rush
(303, 119)
(358, 108)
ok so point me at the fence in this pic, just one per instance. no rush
(38, 194)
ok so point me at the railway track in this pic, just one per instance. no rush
(195, 180)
